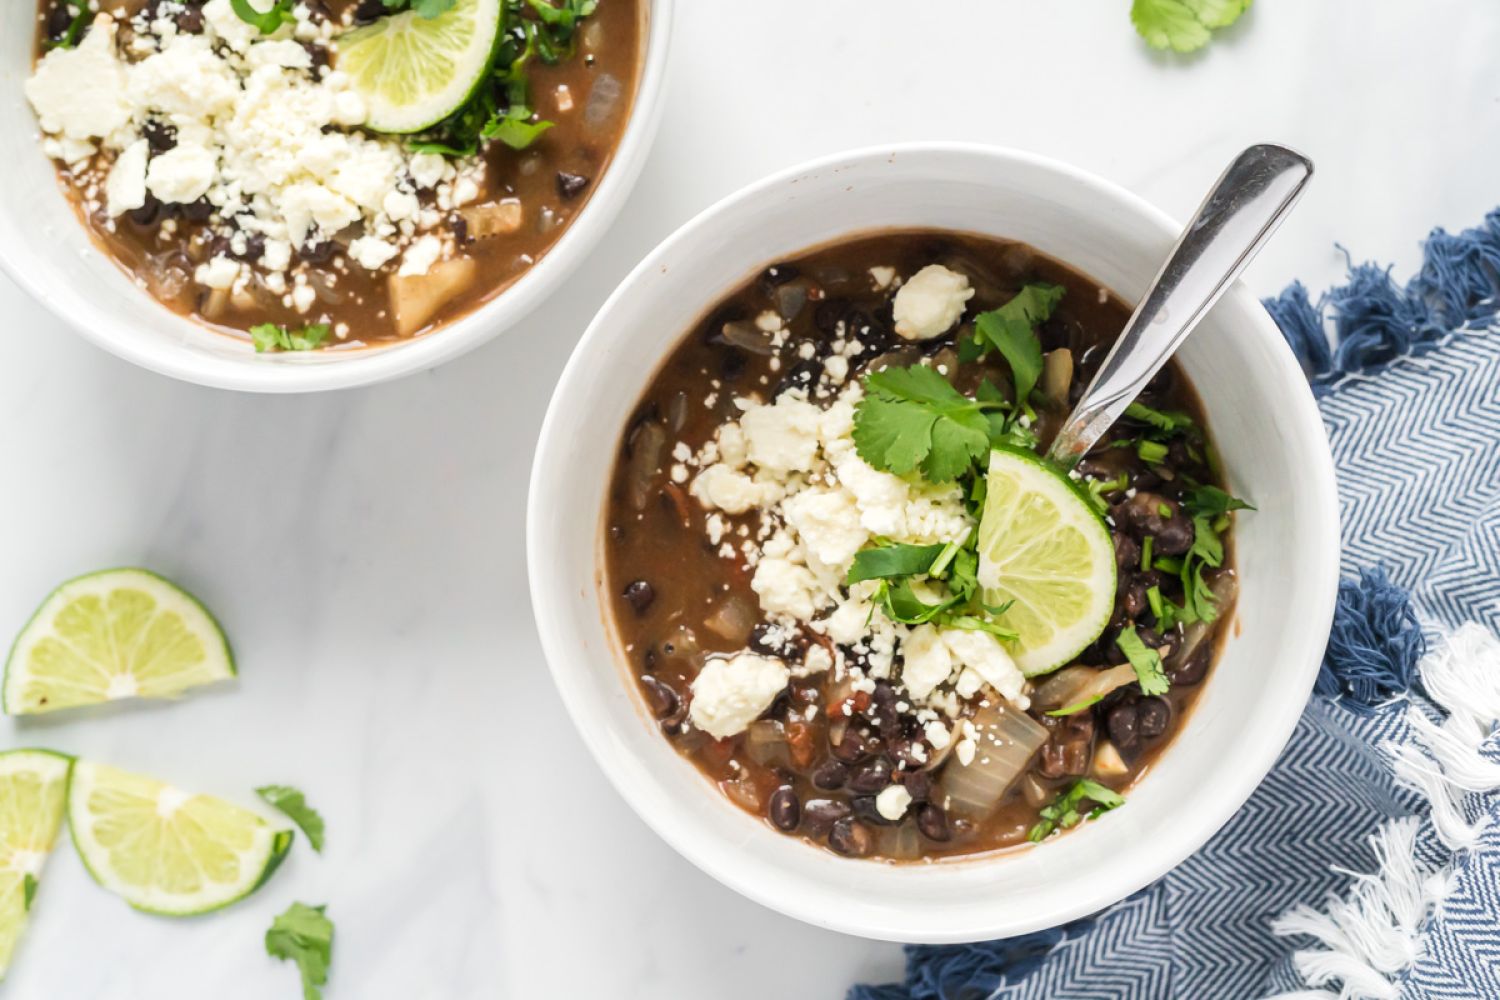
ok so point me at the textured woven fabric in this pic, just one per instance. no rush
(1409, 388)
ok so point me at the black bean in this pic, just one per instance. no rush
(918, 784)
(1071, 747)
(639, 594)
(1123, 723)
(819, 815)
(190, 20)
(826, 315)
(1127, 552)
(369, 10)
(850, 838)
(196, 211)
(659, 695)
(866, 809)
(460, 227)
(852, 748)
(932, 821)
(830, 775)
(255, 247)
(159, 135)
(570, 186)
(318, 253)
(318, 54)
(1194, 669)
(1154, 714)
(784, 811)
(149, 214)
(732, 363)
(802, 375)
(871, 777)
(59, 20)
(1176, 536)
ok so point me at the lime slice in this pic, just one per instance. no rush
(1043, 550)
(414, 71)
(33, 788)
(122, 633)
(168, 851)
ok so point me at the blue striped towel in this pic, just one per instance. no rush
(1368, 862)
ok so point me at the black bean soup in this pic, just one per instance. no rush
(818, 762)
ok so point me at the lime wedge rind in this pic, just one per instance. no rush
(34, 683)
(1046, 551)
(33, 794)
(116, 817)
(413, 71)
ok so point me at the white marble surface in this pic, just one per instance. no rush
(365, 549)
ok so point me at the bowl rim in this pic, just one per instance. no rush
(368, 366)
(1217, 805)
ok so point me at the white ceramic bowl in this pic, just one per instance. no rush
(1268, 431)
(45, 250)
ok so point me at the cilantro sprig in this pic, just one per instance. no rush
(900, 567)
(1145, 660)
(267, 22)
(294, 804)
(1011, 330)
(74, 31)
(303, 934)
(271, 337)
(1067, 809)
(1183, 25)
(912, 420)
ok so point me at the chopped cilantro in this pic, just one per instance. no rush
(1164, 510)
(1166, 421)
(1011, 330)
(70, 36)
(1213, 501)
(911, 419)
(270, 337)
(894, 559)
(1183, 25)
(1094, 490)
(1151, 452)
(1145, 660)
(305, 936)
(292, 802)
(1147, 544)
(1065, 811)
(1077, 706)
(268, 21)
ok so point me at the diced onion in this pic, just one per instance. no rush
(1057, 375)
(1075, 685)
(1008, 739)
(765, 741)
(732, 620)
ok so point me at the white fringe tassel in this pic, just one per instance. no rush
(1375, 931)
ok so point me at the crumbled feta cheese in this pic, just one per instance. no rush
(79, 93)
(816, 660)
(931, 302)
(928, 661)
(729, 694)
(937, 734)
(828, 523)
(219, 272)
(882, 276)
(182, 174)
(787, 588)
(371, 252)
(126, 188)
(892, 802)
(427, 169)
(730, 491)
(422, 255)
(303, 298)
(982, 653)
(783, 437)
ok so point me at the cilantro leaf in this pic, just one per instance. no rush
(74, 31)
(1077, 706)
(1011, 330)
(266, 21)
(911, 419)
(1145, 660)
(270, 337)
(901, 603)
(294, 804)
(1064, 812)
(514, 131)
(29, 889)
(1183, 25)
(895, 559)
(1212, 501)
(305, 936)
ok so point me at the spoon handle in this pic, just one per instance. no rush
(1233, 223)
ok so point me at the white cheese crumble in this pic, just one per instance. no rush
(892, 802)
(729, 694)
(930, 302)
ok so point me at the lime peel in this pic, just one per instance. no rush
(33, 792)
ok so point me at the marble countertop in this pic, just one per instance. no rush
(365, 553)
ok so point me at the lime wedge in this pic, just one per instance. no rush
(33, 788)
(414, 71)
(122, 633)
(168, 851)
(1044, 551)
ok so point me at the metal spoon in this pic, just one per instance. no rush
(1233, 223)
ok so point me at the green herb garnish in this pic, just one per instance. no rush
(893, 559)
(1077, 706)
(1011, 330)
(911, 419)
(305, 936)
(294, 804)
(1183, 25)
(1151, 452)
(69, 38)
(1166, 421)
(428, 9)
(1145, 660)
(1064, 812)
(266, 22)
(270, 337)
